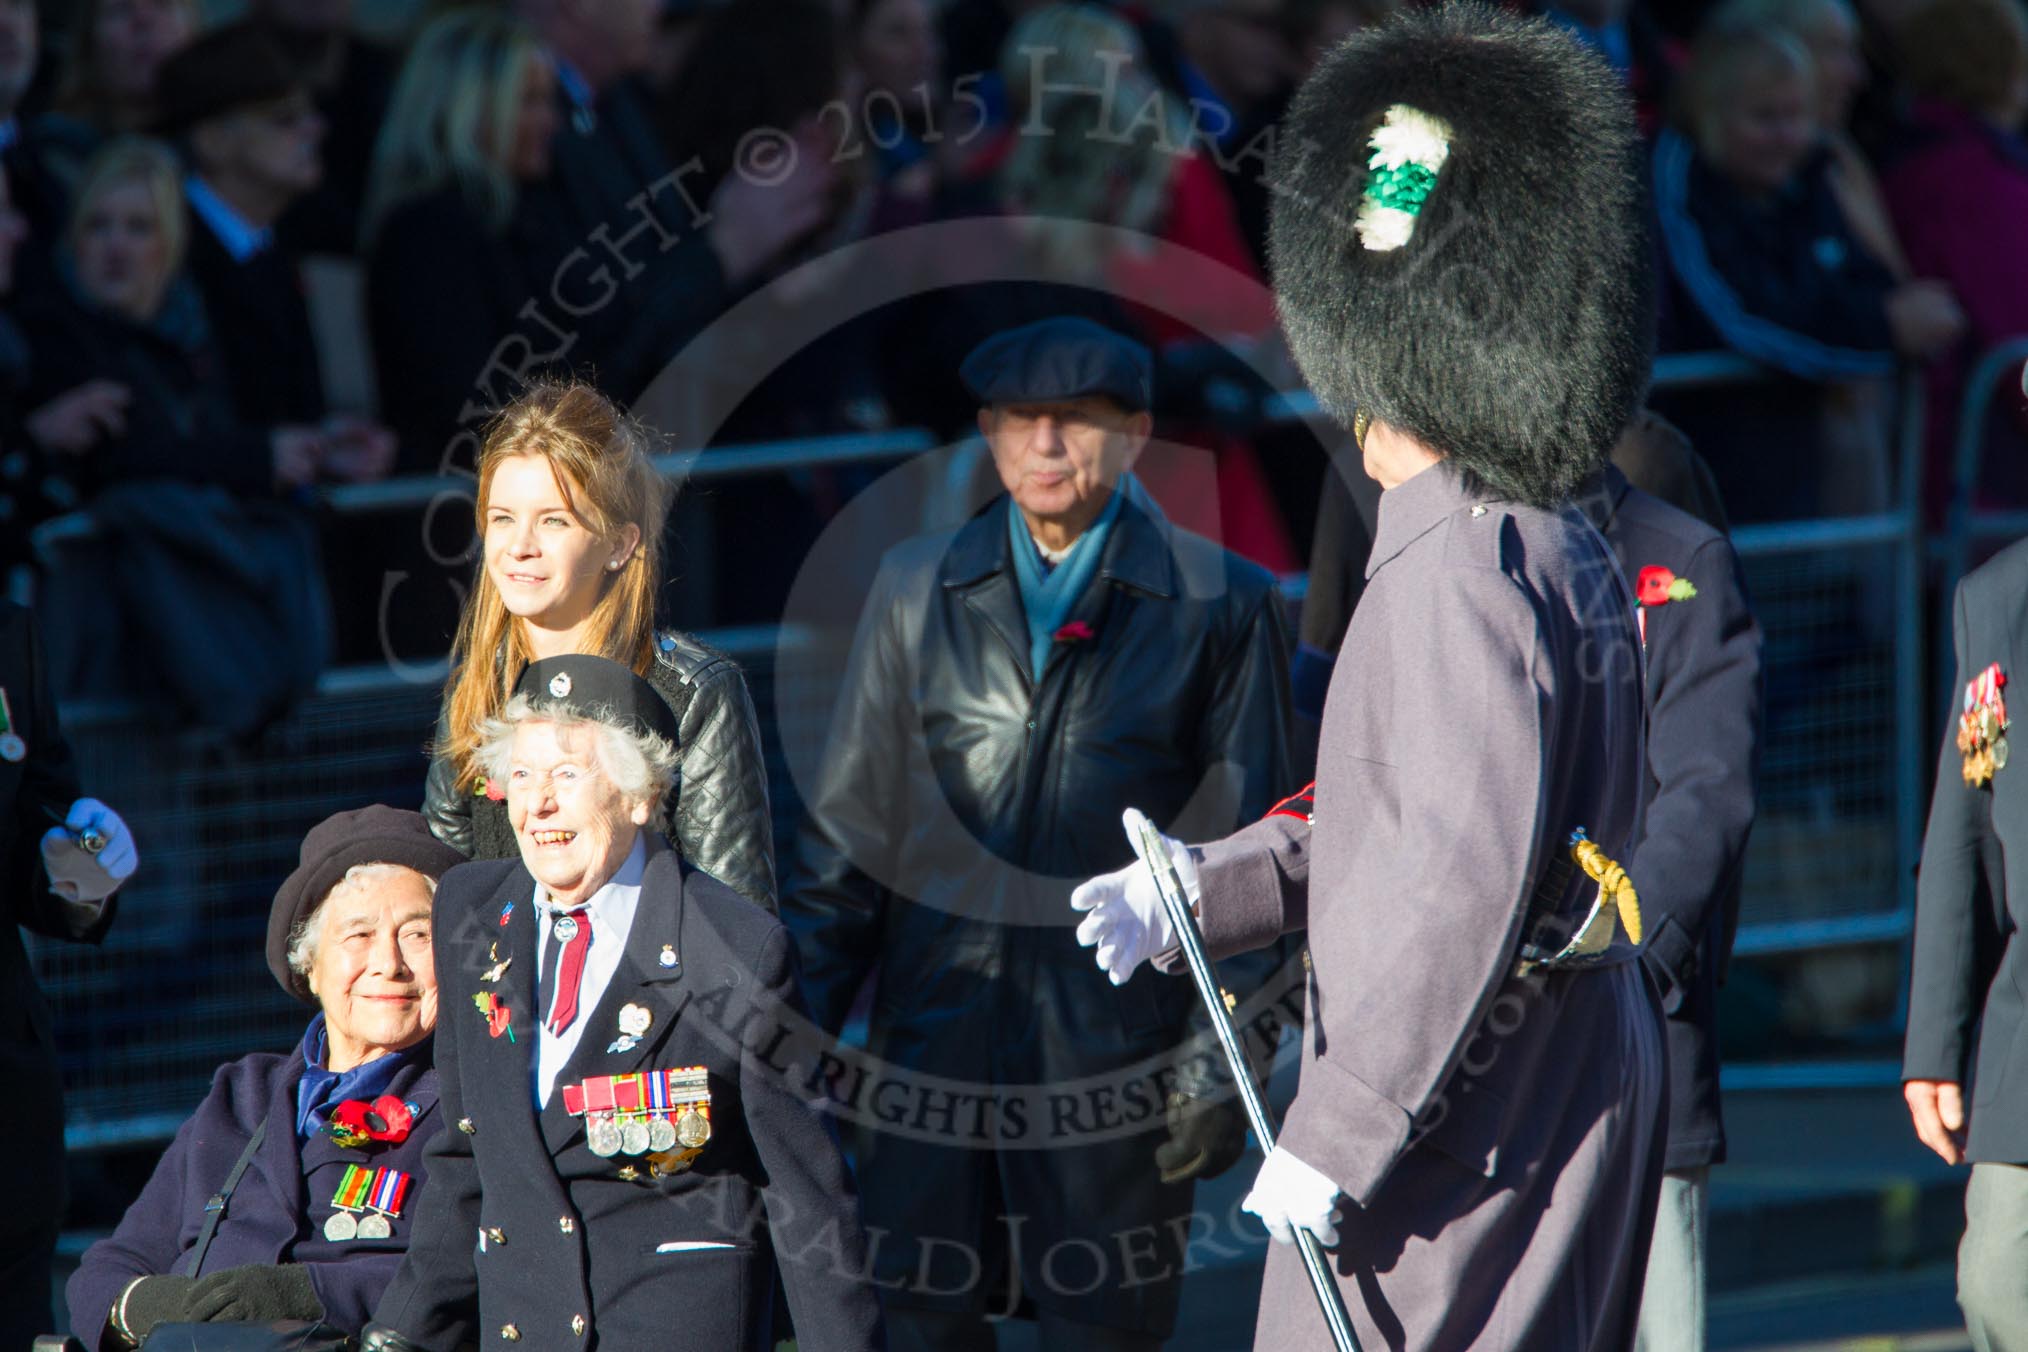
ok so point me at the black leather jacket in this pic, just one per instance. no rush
(959, 803)
(719, 820)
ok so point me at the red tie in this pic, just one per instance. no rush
(574, 929)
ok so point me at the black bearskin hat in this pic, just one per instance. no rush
(1484, 286)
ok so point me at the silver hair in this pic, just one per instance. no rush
(641, 765)
(309, 931)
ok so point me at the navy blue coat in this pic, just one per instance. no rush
(530, 1237)
(1704, 715)
(1968, 999)
(276, 1214)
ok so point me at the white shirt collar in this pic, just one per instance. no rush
(242, 239)
(612, 910)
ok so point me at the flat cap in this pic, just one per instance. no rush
(1055, 359)
(236, 65)
(599, 689)
(367, 835)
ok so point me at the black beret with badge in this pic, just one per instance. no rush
(599, 689)
(1058, 359)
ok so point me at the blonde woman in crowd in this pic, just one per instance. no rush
(470, 127)
(570, 517)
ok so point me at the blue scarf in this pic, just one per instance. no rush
(1047, 594)
(321, 1090)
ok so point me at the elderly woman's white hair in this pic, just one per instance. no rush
(641, 765)
(309, 931)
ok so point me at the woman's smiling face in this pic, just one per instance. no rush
(573, 824)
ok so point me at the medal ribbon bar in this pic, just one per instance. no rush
(390, 1189)
(353, 1188)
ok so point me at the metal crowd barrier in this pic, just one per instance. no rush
(1969, 525)
(180, 984)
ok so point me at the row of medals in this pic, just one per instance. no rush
(344, 1225)
(1982, 738)
(638, 1135)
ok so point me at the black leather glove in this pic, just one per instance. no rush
(381, 1338)
(255, 1292)
(1206, 1137)
(151, 1301)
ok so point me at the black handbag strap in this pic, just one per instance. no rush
(214, 1207)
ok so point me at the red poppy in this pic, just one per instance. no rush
(494, 793)
(499, 1020)
(389, 1120)
(1657, 586)
(355, 1122)
(347, 1124)
(1073, 632)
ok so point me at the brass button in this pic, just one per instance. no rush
(465, 1125)
(566, 1224)
(510, 1333)
(577, 1325)
(628, 1173)
(497, 1235)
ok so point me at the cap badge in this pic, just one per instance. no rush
(559, 684)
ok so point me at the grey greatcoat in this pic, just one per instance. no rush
(1498, 1138)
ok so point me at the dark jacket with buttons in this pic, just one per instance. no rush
(35, 793)
(719, 818)
(1968, 995)
(962, 797)
(530, 1237)
(276, 1213)
(1703, 675)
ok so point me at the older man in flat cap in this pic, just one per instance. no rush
(1478, 1134)
(1013, 685)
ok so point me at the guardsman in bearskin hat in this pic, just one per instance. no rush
(1477, 1139)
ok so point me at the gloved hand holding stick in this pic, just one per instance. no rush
(1154, 854)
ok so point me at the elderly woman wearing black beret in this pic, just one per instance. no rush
(632, 1148)
(319, 1153)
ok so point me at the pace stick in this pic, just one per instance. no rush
(1147, 842)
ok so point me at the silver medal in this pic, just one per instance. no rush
(342, 1226)
(375, 1227)
(661, 1135)
(603, 1136)
(693, 1128)
(634, 1136)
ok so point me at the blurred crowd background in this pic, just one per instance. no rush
(265, 268)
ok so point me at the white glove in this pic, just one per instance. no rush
(1288, 1195)
(75, 873)
(1127, 923)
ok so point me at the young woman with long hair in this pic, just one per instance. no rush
(570, 515)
